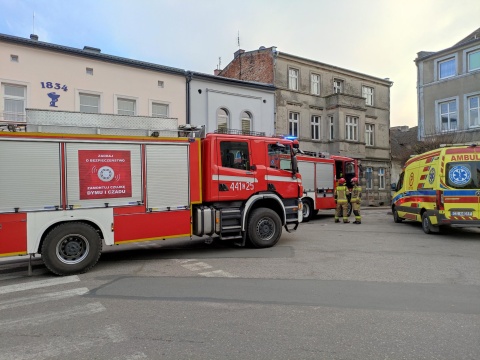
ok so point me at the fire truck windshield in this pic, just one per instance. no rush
(280, 156)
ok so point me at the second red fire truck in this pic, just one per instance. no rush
(65, 195)
(320, 173)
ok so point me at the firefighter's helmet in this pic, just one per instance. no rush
(355, 180)
(342, 181)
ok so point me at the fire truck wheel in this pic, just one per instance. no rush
(308, 211)
(396, 218)
(426, 225)
(264, 228)
(71, 248)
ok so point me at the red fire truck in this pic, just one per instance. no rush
(320, 173)
(65, 195)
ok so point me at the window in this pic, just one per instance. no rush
(474, 111)
(159, 110)
(293, 119)
(315, 126)
(448, 115)
(330, 127)
(161, 84)
(446, 68)
(246, 122)
(369, 135)
(279, 157)
(126, 107)
(222, 120)
(381, 179)
(14, 58)
(337, 86)
(89, 71)
(474, 60)
(315, 84)
(367, 93)
(351, 128)
(293, 79)
(14, 102)
(368, 178)
(235, 155)
(89, 103)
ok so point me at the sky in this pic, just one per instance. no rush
(380, 38)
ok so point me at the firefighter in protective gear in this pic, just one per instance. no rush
(341, 192)
(356, 200)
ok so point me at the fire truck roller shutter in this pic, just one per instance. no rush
(20, 161)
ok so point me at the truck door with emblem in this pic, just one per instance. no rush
(236, 173)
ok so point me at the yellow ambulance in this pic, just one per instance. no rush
(440, 187)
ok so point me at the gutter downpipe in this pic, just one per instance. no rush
(188, 76)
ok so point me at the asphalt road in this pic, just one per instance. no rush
(379, 290)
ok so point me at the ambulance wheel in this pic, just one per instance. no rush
(396, 218)
(426, 224)
(71, 248)
(264, 228)
(308, 211)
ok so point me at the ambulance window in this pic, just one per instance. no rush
(400, 182)
(279, 156)
(463, 175)
(235, 155)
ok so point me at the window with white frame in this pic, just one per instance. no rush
(14, 100)
(351, 128)
(315, 84)
(337, 86)
(293, 123)
(447, 68)
(246, 122)
(381, 179)
(367, 93)
(126, 106)
(159, 109)
(448, 115)
(222, 120)
(293, 79)
(473, 59)
(89, 103)
(369, 135)
(474, 111)
(315, 127)
(368, 178)
(330, 128)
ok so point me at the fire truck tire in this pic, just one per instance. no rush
(426, 225)
(308, 211)
(71, 248)
(264, 228)
(396, 218)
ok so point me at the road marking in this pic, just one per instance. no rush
(9, 304)
(38, 284)
(183, 261)
(197, 266)
(64, 345)
(218, 273)
(11, 277)
(50, 317)
(136, 356)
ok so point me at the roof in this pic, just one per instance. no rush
(231, 81)
(401, 140)
(470, 39)
(91, 53)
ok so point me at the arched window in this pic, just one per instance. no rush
(246, 122)
(222, 120)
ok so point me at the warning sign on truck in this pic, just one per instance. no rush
(104, 174)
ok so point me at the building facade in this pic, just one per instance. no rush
(222, 103)
(40, 75)
(448, 91)
(329, 109)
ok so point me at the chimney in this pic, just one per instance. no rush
(238, 52)
(33, 37)
(92, 49)
(216, 72)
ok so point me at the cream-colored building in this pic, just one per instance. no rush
(328, 108)
(39, 75)
(448, 86)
